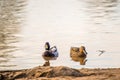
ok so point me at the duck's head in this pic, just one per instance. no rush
(47, 46)
(82, 50)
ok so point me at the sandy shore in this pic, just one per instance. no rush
(61, 73)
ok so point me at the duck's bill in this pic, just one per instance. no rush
(85, 51)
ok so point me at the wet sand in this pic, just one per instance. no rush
(61, 73)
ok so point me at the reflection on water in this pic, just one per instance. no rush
(49, 57)
(78, 54)
(10, 20)
(102, 11)
(47, 63)
(47, 60)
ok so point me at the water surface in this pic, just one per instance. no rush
(25, 25)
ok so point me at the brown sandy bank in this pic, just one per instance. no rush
(61, 73)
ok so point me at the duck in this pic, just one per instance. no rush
(78, 54)
(50, 53)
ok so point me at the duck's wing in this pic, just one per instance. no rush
(56, 54)
(54, 51)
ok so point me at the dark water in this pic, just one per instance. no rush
(25, 25)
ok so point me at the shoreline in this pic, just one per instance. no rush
(61, 72)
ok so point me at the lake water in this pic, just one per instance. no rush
(25, 26)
